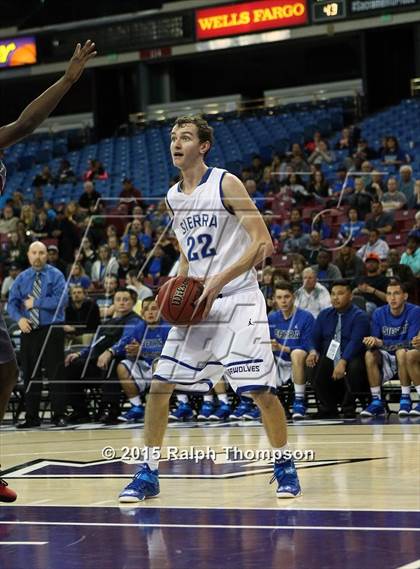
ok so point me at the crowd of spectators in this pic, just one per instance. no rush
(323, 229)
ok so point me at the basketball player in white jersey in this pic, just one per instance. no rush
(222, 237)
(31, 117)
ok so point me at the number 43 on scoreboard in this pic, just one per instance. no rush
(327, 10)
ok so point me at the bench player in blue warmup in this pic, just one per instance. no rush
(291, 336)
(140, 349)
(395, 330)
(222, 236)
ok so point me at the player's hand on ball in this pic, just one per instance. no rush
(212, 287)
(79, 59)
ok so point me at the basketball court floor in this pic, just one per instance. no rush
(359, 508)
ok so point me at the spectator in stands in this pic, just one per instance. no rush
(16, 250)
(311, 145)
(268, 184)
(294, 183)
(143, 232)
(298, 265)
(105, 300)
(378, 219)
(351, 266)
(297, 240)
(319, 186)
(27, 216)
(158, 265)
(411, 255)
(266, 286)
(257, 168)
(134, 279)
(257, 197)
(67, 232)
(89, 255)
(392, 155)
(159, 217)
(124, 265)
(89, 197)
(406, 184)
(372, 285)
(312, 295)
(362, 152)
(374, 245)
(82, 316)
(114, 245)
(105, 265)
(338, 354)
(8, 281)
(130, 194)
(360, 199)
(391, 267)
(297, 159)
(43, 227)
(344, 142)
(295, 217)
(313, 248)
(44, 177)
(135, 250)
(392, 198)
(376, 187)
(88, 367)
(343, 183)
(390, 350)
(54, 259)
(318, 224)
(78, 277)
(291, 339)
(325, 270)
(137, 352)
(95, 171)
(38, 198)
(351, 228)
(65, 174)
(416, 227)
(16, 202)
(321, 154)
(8, 221)
(367, 170)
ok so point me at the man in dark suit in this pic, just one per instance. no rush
(36, 302)
(90, 367)
(338, 354)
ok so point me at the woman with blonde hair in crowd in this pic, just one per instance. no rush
(27, 216)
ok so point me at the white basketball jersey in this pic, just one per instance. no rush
(210, 236)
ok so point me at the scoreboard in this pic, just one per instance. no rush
(328, 10)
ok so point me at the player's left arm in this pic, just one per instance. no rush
(237, 199)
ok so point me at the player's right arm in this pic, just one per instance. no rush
(183, 265)
(41, 107)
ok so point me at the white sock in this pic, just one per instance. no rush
(182, 398)
(153, 463)
(135, 400)
(405, 389)
(300, 390)
(223, 398)
(208, 398)
(417, 389)
(278, 453)
(376, 392)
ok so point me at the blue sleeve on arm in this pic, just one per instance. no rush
(132, 331)
(307, 333)
(317, 333)
(58, 297)
(376, 329)
(360, 329)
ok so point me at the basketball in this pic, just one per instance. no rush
(176, 300)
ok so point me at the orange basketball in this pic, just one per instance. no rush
(176, 300)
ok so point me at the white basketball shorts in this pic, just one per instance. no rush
(389, 365)
(234, 341)
(140, 371)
